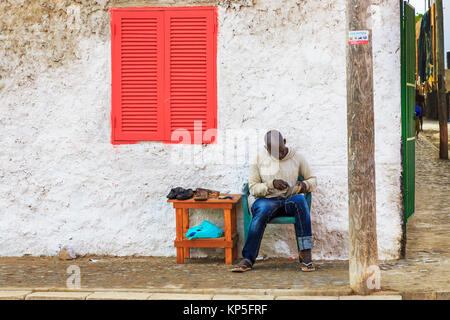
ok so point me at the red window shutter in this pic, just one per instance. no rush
(190, 71)
(137, 40)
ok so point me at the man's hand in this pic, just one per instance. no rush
(302, 186)
(280, 184)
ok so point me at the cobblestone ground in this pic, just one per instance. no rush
(427, 263)
(431, 131)
(165, 273)
(426, 266)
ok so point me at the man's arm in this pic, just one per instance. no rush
(257, 188)
(309, 181)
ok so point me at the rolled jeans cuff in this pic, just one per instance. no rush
(304, 243)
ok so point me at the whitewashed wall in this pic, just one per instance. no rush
(281, 64)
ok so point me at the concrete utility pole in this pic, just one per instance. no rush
(442, 101)
(361, 162)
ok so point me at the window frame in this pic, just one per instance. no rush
(211, 107)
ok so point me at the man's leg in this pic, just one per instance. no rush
(262, 211)
(297, 206)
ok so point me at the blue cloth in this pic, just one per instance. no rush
(205, 230)
(419, 112)
(265, 209)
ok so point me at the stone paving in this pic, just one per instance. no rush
(423, 274)
(164, 273)
(431, 131)
(426, 266)
(133, 295)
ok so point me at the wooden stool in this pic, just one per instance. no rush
(229, 241)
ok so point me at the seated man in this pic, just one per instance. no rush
(274, 183)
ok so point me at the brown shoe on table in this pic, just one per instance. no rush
(205, 194)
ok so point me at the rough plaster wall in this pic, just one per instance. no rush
(281, 64)
(386, 52)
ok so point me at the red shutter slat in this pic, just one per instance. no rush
(137, 75)
(190, 62)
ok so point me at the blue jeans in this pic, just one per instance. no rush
(265, 209)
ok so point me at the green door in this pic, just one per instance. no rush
(408, 78)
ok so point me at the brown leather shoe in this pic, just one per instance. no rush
(212, 194)
(205, 194)
(200, 194)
